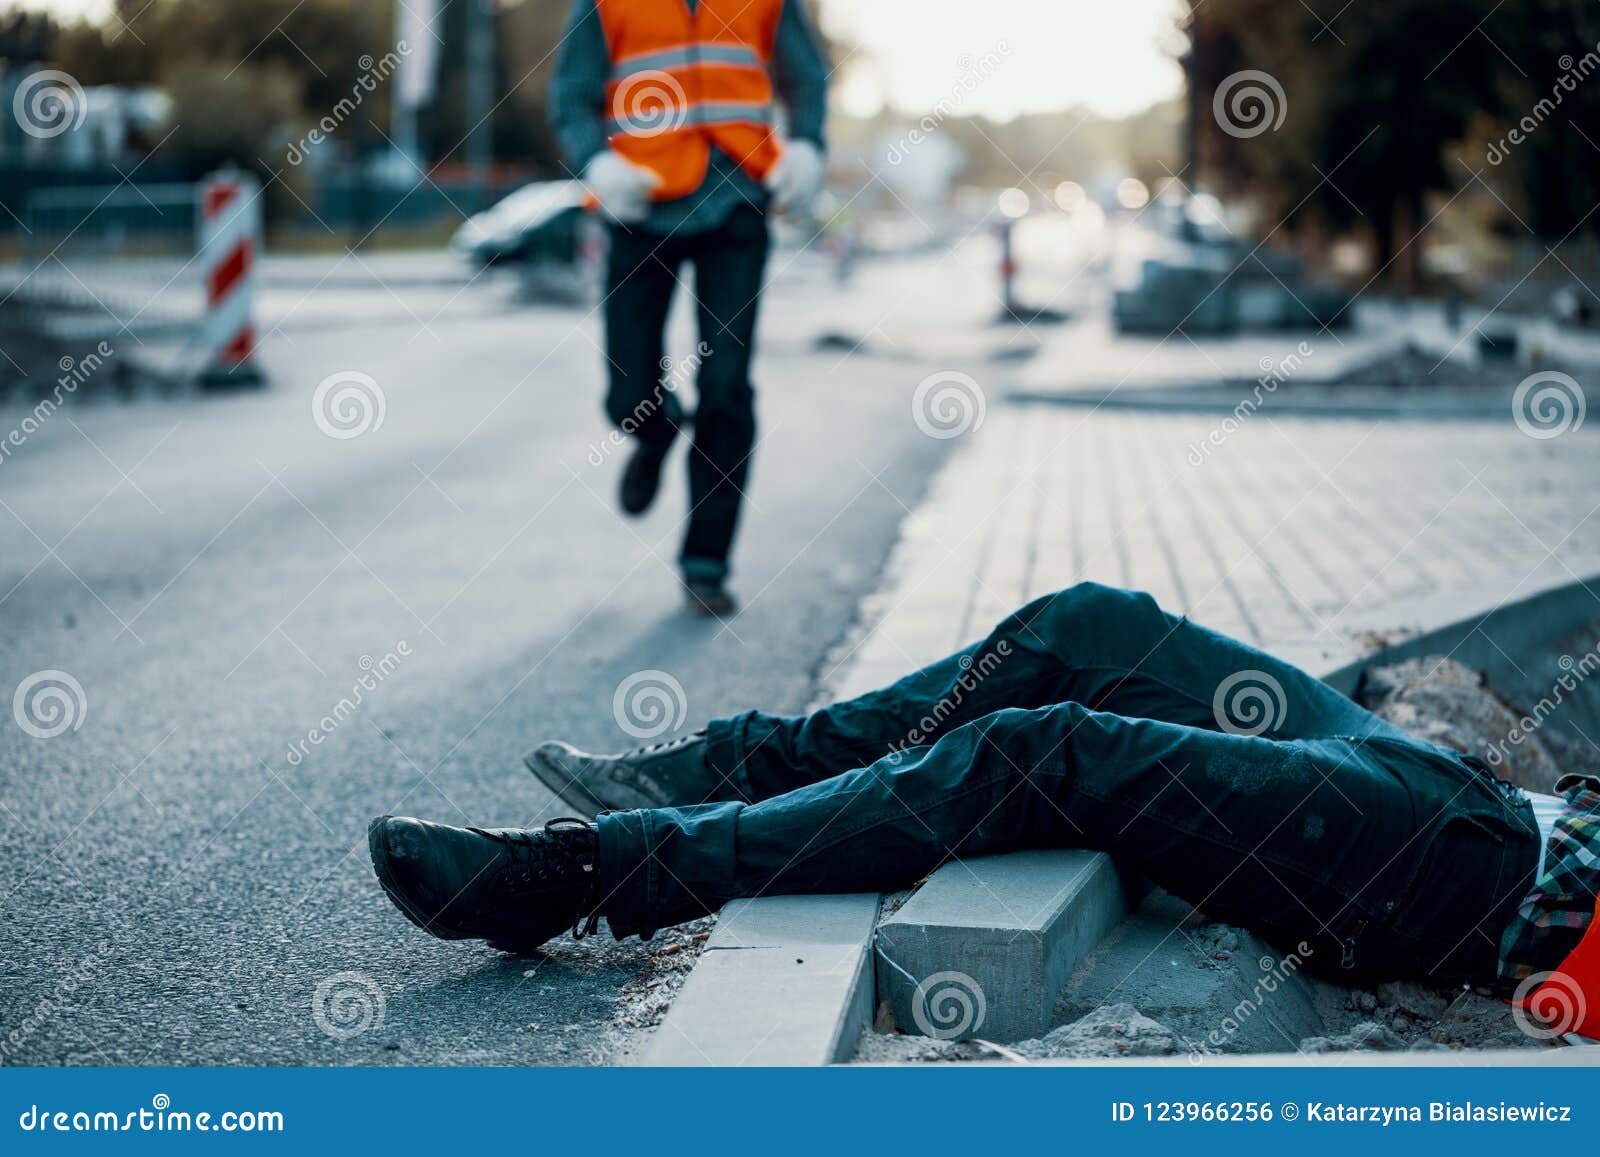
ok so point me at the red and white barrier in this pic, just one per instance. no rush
(1008, 269)
(230, 236)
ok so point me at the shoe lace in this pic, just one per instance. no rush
(581, 855)
(668, 744)
(523, 845)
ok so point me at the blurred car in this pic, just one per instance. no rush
(1570, 307)
(1191, 273)
(541, 223)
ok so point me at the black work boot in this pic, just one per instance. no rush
(641, 477)
(668, 774)
(514, 887)
(709, 597)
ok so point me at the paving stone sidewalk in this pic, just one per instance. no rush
(1285, 528)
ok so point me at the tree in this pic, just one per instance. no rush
(307, 55)
(1372, 99)
(1394, 112)
(1553, 98)
(237, 117)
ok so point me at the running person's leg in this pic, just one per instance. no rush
(729, 263)
(641, 274)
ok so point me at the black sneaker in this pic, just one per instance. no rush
(668, 774)
(641, 477)
(709, 597)
(514, 887)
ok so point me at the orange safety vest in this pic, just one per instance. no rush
(682, 82)
(1569, 998)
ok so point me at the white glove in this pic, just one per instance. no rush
(621, 187)
(796, 179)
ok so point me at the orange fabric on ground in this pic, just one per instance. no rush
(1569, 998)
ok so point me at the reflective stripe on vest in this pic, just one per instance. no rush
(695, 116)
(706, 52)
(682, 82)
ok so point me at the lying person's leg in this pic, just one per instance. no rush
(1108, 649)
(1387, 859)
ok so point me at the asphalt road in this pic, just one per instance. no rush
(216, 573)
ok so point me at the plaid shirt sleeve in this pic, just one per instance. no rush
(1557, 912)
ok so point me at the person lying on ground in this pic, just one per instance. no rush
(1090, 719)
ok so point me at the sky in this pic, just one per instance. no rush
(1115, 58)
(998, 58)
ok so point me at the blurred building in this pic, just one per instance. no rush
(81, 127)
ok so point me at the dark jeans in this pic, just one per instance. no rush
(1092, 719)
(641, 274)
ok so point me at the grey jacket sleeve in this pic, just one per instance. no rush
(800, 74)
(578, 88)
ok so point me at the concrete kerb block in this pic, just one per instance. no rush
(784, 980)
(985, 945)
(1477, 626)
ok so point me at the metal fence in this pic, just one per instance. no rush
(113, 263)
(127, 250)
(1528, 275)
